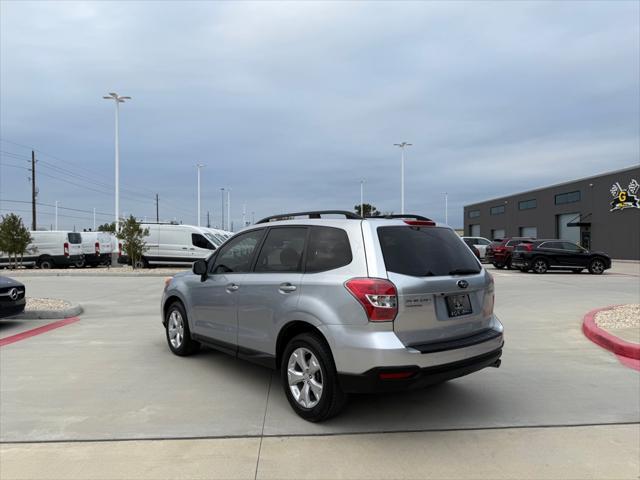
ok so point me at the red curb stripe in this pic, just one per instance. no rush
(608, 341)
(37, 331)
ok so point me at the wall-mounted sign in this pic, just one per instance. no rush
(625, 197)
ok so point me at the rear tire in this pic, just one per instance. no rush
(45, 264)
(313, 392)
(596, 267)
(177, 331)
(540, 265)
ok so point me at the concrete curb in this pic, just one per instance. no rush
(605, 339)
(72, 311)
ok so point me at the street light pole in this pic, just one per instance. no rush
(222, 209)
(446, 208)
(362, 198)
(118, 100)
(56, 215)
(402, 146)
(229, 208)
(199, 166)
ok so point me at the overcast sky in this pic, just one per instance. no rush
(291, 104)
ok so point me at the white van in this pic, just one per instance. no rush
(49, 249)
(177, 244)
(97, 248)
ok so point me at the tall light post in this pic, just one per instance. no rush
(446, 208)
(199, 166)
(222, 209)
(56, 215)
(229, 209)
(118, 100)
(362, 198)
(402, 146)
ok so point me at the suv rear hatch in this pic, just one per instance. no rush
(443, 293)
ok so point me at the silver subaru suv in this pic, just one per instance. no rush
(340, 305)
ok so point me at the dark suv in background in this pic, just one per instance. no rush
(542, 255)
(500, 251)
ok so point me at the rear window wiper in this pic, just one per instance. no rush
(463, 271)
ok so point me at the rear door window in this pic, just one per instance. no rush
(328, 249)
(425, 251)
(74, 237)
(282, 250)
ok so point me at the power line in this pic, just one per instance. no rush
(53, 206)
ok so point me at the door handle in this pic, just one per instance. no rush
(184, 248)
(287, 288)
(232, 287)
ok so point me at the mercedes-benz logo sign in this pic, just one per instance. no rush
(463, 283)
(13, 294)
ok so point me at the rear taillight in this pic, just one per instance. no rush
(378, 297)
(66, 249)
(499, 249)
(97, 248)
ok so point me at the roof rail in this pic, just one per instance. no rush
(408, 215)
(312, 214)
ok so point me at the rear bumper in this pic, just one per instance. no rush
(370, 381)
(357, 349)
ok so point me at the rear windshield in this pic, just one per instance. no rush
(74, 237)
(425, 251)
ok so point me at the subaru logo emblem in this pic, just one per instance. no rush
(463, 283)
(13, 294)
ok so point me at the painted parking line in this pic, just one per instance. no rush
(37, 331)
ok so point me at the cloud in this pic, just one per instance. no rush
(292, 103)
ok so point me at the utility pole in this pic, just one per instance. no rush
(94, 219)
(56, 215)
(208, 220)
(446, 208)
(33, 190)
(157, 210)
(229, 209)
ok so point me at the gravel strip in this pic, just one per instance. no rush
(624, 316)
(46, 304)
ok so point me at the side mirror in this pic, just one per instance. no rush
(200, 268)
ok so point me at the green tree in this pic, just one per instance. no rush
(14, 237)
(132, 236)
(107, 227)
(369, 210)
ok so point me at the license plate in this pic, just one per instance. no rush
(458, 305)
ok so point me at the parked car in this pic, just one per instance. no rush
(50, 249)
(480, 243)
(542, 255)
(169, 244)
(340, 306)
(96, 248)
(499, 252)
(12, 297)
(473, 248)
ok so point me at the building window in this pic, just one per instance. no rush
(569, 197)
(497, 210)
(474, 213)
(528, 204)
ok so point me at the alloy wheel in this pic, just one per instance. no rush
(305, 377)
(597, 266)
(176, 329)
(540, 266)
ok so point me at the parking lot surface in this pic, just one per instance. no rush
(111, 375)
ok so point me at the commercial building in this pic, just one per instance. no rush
(600, 213)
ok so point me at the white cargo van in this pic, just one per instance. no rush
(49, 249)
(97, 248)
(176, 244)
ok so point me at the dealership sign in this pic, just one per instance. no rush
(625, 197)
